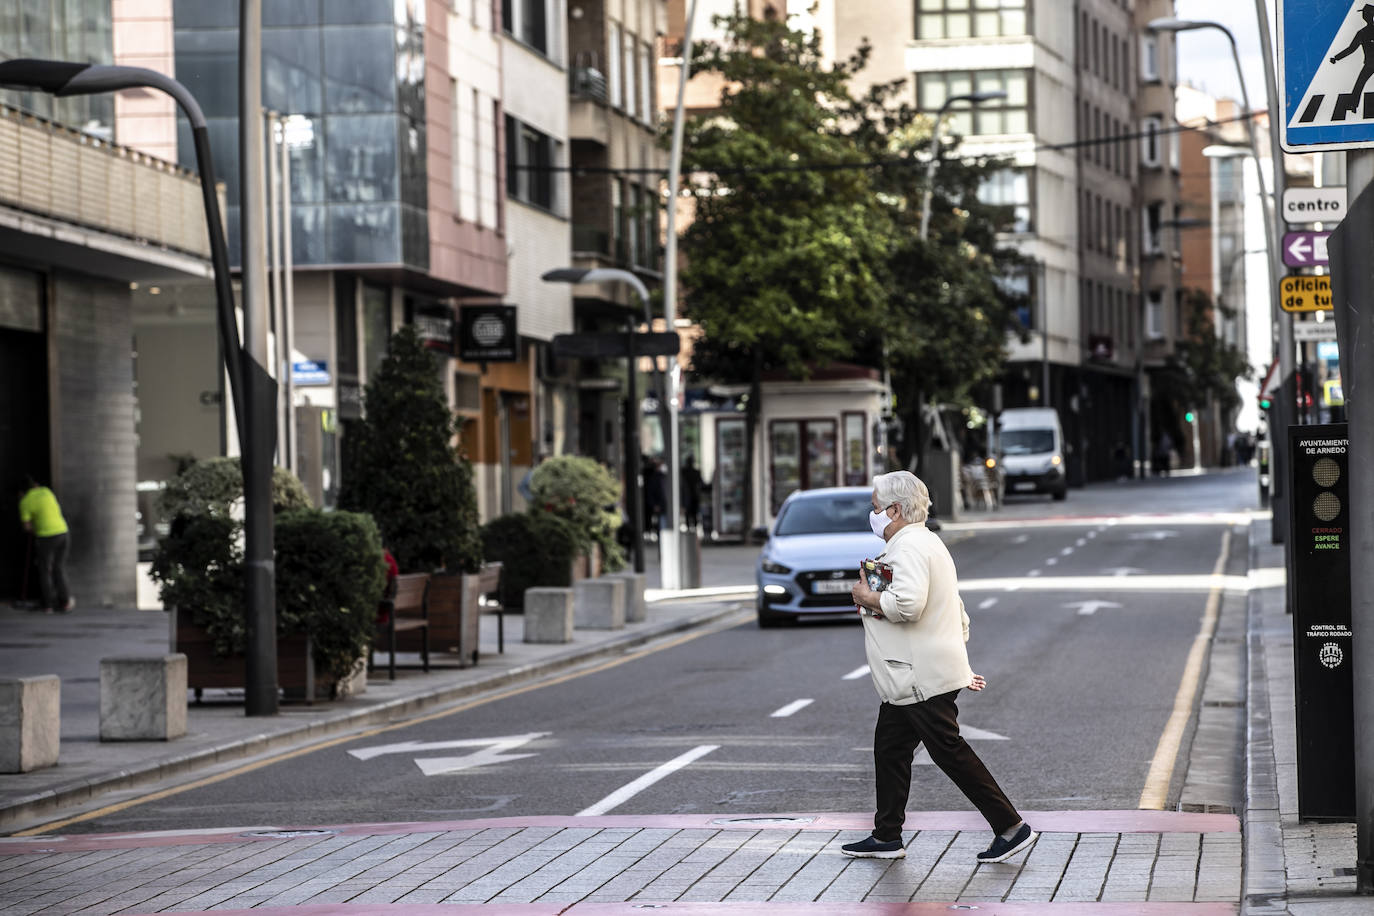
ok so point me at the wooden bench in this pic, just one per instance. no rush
(406, 609)
(489, 589)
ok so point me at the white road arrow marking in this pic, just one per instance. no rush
(1153, 535)
(630, 790)
(1122, 570)
(922, 757)
(1090, 607)
(492, 750)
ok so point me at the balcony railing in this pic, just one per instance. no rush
(53, 171)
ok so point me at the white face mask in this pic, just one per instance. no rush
(879, 521)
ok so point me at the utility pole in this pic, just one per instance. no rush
(1352, 276)
(260, 611)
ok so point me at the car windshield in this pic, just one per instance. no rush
(825, 515)
(1027, 441)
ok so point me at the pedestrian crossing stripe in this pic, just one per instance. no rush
(1337, 91)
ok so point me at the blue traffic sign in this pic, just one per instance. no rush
(1326, 61)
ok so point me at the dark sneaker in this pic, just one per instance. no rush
(870, 848)
(1001, 849)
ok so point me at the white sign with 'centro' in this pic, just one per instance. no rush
(1314, 205)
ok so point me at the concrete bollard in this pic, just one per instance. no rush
(143, 698)
(30, 722)
(635, 611)
(599, 604)
(548, 615)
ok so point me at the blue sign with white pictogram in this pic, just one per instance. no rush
(1326, 72)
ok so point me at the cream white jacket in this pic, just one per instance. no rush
(918, 652)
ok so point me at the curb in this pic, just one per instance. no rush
(50, 802)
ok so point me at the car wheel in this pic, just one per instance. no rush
(768, 620)
(1061, 494)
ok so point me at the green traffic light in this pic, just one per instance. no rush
(1265, 403)
(1188, 416)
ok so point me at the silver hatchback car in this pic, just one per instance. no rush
(811, 558)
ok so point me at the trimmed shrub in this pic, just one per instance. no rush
(212, 486)
(400, 467)
(536, 549)
(330, 577)
(582, 492)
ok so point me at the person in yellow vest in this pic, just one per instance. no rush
(42, 517)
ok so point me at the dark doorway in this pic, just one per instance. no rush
(23, 447)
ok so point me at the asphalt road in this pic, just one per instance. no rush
(747, 721)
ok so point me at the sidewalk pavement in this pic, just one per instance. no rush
(1111, 862)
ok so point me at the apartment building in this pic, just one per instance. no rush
(86, 226)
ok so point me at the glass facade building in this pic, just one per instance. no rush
(352, 71)
(71, 30)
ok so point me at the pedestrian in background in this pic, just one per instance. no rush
(655, 496)
(915, 629)
(691, 492)
(41, 516)
(1164, 453)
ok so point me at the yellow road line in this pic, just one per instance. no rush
(724, 623)
(1156, 792)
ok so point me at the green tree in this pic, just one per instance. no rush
(401, 468)
(950, 302)
(786, 253)
(1202, 369)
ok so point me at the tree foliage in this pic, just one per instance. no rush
(1203, 367)
(401, 468)
(804, 247)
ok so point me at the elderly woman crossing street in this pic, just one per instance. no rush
(915, 629)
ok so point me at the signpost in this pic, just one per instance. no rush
(1313, 205)
(1309, 331)
(1305, 249)
(1305, 294)
(1326, 103)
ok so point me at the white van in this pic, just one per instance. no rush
(1031, 445)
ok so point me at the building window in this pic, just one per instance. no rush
(1149, 58)
(530, 159)
(1154, 314)
(618, 219)
(613, 63)
(970, 18)
(1150, 140)
(1009, 188)
(646, 104)
(1002, 116)
(528, 21)
(631, 93)
(1150, 238)
(803, 456)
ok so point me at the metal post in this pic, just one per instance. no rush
(1044, 304)
(1352, 274)
(930, 170)
(634, 499)
(260, 657)
(670, 559)
(288, 301)
(273, 205)
(1278, 438)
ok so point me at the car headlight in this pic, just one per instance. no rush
(776, 569)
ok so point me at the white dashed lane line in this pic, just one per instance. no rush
(1067, 551)
(861, 671)
(986, 603)
(790, 708)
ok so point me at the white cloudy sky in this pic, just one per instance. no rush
(1205, 55)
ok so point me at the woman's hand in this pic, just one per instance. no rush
(978, 682)
(865, 597)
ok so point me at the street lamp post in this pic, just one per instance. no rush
(251, 388)
(634, 499)
(1277, 437)
(973, 98)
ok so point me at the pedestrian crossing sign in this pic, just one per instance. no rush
(1326, 62)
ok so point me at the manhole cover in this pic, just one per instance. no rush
(763, 820)
(288, 834)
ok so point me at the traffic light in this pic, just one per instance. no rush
(1265, 402)
(1189, 417)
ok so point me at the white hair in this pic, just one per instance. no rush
(904, 490)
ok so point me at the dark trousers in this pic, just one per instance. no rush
(934, 723)
(50, 553)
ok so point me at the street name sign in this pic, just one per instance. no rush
(1323, 75)
(604, 345)
(1305, 249)
(1308, 331)
(1305, 294)
(1314, 205)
